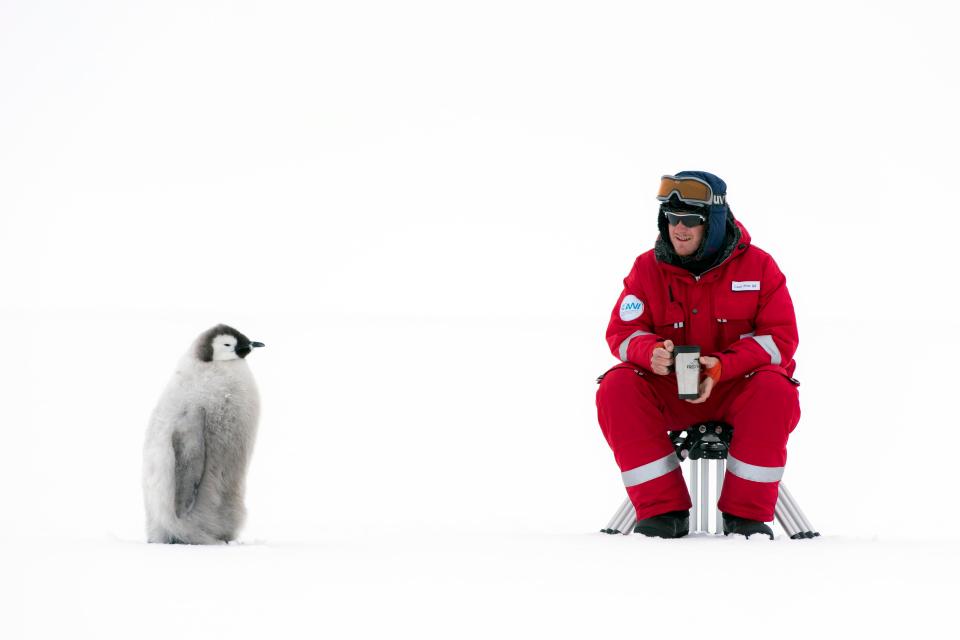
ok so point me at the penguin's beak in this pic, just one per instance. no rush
(257, 344)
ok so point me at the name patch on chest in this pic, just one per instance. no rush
(746, 285)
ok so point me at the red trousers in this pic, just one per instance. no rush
(636, 408)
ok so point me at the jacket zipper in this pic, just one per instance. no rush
(697, 278)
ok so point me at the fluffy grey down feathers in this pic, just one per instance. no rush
(198, 446)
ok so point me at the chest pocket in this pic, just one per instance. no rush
(736, 312)
(669, 323)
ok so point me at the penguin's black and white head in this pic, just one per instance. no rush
(223, 343)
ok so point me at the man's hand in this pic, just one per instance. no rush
(662, 358)
(711, 367)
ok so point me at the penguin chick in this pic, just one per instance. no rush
(199, 441)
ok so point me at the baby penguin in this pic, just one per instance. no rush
(199, 442)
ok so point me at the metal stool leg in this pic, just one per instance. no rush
(694, 495)
(791, 511)
(617, 517)
(704, 495)
(621, 514)
(625, 525)
(786, 521)
(629, 520)
(721, 467)
(810, 532)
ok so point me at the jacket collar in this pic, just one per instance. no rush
(711, 273)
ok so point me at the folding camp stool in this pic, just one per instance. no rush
(701, 444)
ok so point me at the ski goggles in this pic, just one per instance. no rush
(688, 220)
(688, 189)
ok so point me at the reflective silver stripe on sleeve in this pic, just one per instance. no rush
(752, 471)
(768, 345)
(651, 470)
(626, 343)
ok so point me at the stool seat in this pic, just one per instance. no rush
(709, 440)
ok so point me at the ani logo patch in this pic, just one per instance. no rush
(631, 308)
(746, 285)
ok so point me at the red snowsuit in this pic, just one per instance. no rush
(740, 312)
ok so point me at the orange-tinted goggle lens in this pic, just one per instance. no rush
(687, 189)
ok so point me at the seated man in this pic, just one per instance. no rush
(703, 284)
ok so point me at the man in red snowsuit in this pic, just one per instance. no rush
(703, 284)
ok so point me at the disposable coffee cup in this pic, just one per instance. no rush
(686, 362)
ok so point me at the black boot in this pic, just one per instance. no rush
(673, 524)
(744, 527)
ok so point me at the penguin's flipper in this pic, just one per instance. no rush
(189, 450)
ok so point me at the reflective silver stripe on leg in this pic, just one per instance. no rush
(651, 470)
(626, 343)
(753, 472)
(770, 347)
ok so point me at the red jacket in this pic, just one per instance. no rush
(739, 311)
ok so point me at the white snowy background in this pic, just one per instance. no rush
(425, 210)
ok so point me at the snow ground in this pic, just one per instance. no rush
(425, 210)
(372, 582)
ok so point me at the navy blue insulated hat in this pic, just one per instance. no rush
(716, 212)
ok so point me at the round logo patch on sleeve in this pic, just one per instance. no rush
(631, 308)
